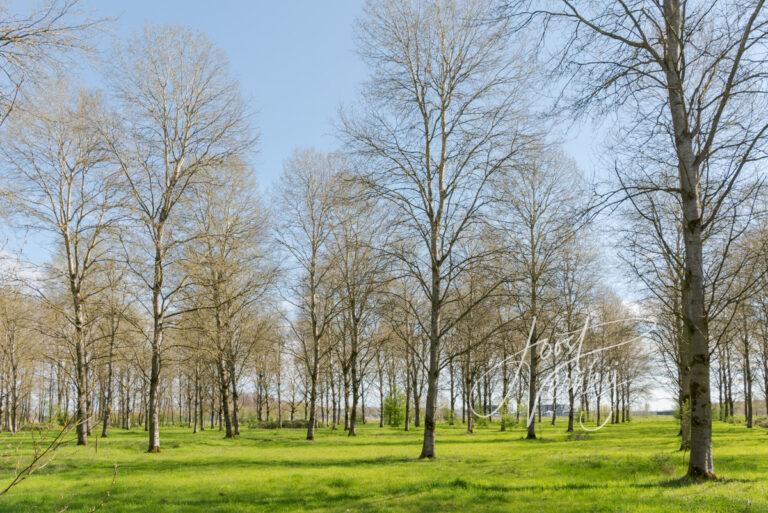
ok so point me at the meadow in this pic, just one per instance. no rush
(634, 467)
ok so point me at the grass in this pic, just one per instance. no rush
(626, 468)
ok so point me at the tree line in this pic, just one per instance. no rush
(432, 268)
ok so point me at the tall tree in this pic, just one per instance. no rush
(538, 219)
(440, 120)
(183, 116)
(690, 81)
(306, 199)
(232, 273)
(66, 186)
(361, 269)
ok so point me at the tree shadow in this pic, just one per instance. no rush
(685, 481)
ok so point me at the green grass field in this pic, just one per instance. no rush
(627, 468)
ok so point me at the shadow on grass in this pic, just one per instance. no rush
(685, 481)
(212, 463)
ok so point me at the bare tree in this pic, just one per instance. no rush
(305, 200)
(65, 185)
(538, 215)
(440, 120)
(18, 345)
(36, 43)
(361, 268)
(692, 79)
(183, 117)
(576, 282)
(232, 273)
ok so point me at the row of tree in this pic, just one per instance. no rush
(449, 245)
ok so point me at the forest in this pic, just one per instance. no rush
(444, 311)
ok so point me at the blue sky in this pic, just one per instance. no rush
(295, 61)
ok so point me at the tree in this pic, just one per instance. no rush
(576, 281)
(17, 347)
(64, 185)
(539, 214)
(690, 82)
(440, 120)
(183, 117)
(231, 272)
(361, 268)
(35, 43)
(305, 200)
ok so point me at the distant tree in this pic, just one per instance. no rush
(231, 271)
(362, 270)
(305, 201)
(538, 215)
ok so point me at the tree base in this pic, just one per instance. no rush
(701, 476)
(154, 450)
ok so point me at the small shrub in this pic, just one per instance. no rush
(447, 415)
(394, 410)
(507, 418)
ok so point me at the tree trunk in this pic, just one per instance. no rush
(153, 410)
(695, 319)
(407, 421)
(416, 392)
(153, 406)
(235, 400)
(571, 397)
(197, 418)
(224, 407)
(532, 393)
(108, 392)
(381, 389)
(82, 377)
(452, 373)
(433, 373)
(747, 383)
(313, 396)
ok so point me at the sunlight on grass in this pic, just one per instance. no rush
(626, 468)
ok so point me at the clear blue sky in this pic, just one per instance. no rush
(295, 61)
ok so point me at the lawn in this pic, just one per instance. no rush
(626, 468)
